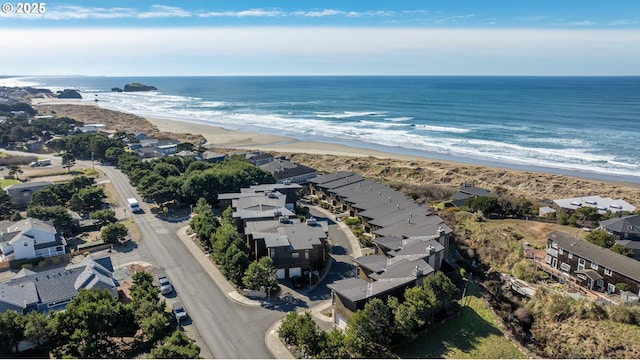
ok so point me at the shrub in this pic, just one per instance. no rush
(352, 221)
(623, 286)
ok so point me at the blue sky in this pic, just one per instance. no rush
(323, 38)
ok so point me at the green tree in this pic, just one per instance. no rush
(57, 214)
(235, 264)
(87, 327)
(68, 161)
(114, 233)
(621, 249)
(112, 154)
(225, 235)
(35, 329)
(600, 237)
(260, 273)
(334, 347)
(45, 197)
(176, 346)
(486, 204)
(104, 217)
(359, 337)
(201, 206)
(87, 199)
(7, 207)
(11, 332)
(405, 321)
(14, 170)
(227, 215)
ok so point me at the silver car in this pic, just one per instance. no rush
(178, 311)
(165, 285)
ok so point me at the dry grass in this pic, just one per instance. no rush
(532, 185)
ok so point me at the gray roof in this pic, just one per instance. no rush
(389, 242)
(602, 204)
(358, 289)
(372, 262)
(418, 247)
(404, 268)
(363, 187)
(390, 218)
(474, 191)
(29, 185)
(303, 236)
(626, 224)
(605, 257)
(319, 180)
(17, 296)
(334, 186)
(416, 226)
(62, 283)
(284, 169)
(273, 240)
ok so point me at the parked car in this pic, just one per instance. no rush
(178, 311)
(297, 282)
(165, 285)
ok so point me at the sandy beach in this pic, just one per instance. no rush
(328, 157)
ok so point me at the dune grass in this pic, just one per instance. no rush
(472, 335)
(6, 182)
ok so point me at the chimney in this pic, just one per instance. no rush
(369, 289)
(431, 249)
(404, 242)
(389, 199)
(370, 188)
(410, 214)
(441, 233)
(397, 206)
(417, 272)
(409, 220)
(379, 193)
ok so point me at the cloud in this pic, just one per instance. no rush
(623, 22)
(161, 11)
(244, 13)
(582, 23)
(320, 51)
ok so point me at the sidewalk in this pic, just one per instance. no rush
(353, 240)
(278, 349)
(213, 271)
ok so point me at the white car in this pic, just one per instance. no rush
(165, 285)
(178, 311)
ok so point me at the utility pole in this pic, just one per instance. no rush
(93, 166)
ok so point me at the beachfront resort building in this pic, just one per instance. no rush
(410, 242)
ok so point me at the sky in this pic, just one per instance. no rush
(304, 37)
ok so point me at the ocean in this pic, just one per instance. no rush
(585, 126)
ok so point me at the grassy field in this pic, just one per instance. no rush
(535, 232)
(6, 182)
(472, 335)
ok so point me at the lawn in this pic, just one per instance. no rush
(6, 182)
(472, 335)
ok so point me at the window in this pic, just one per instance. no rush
(548, 259)
(560, 251)
(272, 253)
(26, 243)
(581, 264)
(565, 267)
(554, 244)
(570, 255)
(594, 265)
(611, 289)
(607, 271)
(306, 254)
(295, 255)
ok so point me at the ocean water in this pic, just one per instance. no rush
(587, 126)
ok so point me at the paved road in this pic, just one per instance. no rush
(229, 330)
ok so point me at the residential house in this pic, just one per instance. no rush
(591, 266)
(285, 171)
(626, 231)
(154, 148)
(21, 193)
(213, 157)
(30, 238)
(53, 289)
(602, 204)
(546, 211)
(290, 191)
(259, 159)
(459, 199)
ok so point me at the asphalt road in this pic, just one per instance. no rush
(229, 329)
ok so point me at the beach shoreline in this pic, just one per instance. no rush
(538, 184)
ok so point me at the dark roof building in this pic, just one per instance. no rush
(285, 171)
(54, 289)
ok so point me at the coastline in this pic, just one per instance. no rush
(537, 183)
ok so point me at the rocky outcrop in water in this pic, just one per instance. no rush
(138, 87)
(69, 94)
